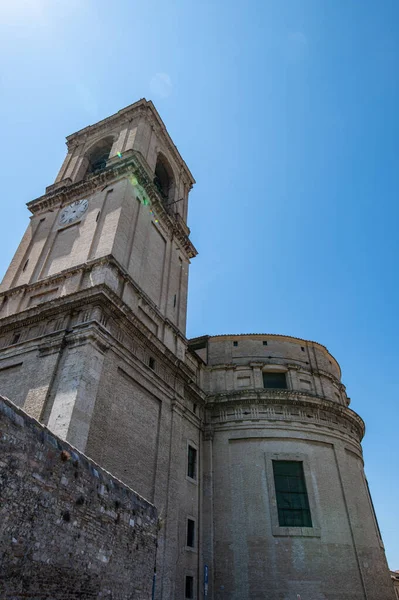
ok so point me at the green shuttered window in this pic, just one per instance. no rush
(292, 498)
(275, 381)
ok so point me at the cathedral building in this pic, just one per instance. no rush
(245, 444)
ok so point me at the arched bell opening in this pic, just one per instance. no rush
(164, 179)
(98, 155)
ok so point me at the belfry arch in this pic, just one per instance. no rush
(164, 179)
(98, 155)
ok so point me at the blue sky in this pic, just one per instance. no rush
(286, 113)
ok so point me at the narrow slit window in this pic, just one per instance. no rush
(16, 338)
(151, 363)
(291, 494)
(25, 265)
(192, 463)
(189, 587)
(190, 533)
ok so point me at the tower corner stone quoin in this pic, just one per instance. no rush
(245, 444)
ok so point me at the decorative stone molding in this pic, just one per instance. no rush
(139, 109)
(117, 327)
(285, 405)
(280, 366)
(60, 278)
(117, 169)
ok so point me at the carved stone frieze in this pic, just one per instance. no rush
(285, 405)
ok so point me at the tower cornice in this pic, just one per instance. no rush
(132, 163)
(142, 108)
(310, 408)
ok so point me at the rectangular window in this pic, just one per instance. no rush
(192, 463)
(235, 343)
(292, 498)
(151, 363)
(264, 342)
(190, 533)
(274, 381)
(189, 586)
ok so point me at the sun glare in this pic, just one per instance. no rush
(23, 10)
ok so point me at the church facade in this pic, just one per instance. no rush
(245, 444)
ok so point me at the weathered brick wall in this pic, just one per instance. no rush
(68, 529)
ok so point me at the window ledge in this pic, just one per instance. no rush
(195, 481)
(296, 531)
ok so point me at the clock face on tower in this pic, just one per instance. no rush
(73, 211)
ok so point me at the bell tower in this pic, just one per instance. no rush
(116, 215)
(107, 243)
(93, 318)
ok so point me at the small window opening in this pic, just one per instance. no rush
(16, 338)
(190, 533)
(192, 463)
(25, 265)
(303, 349)
(189, 587)
(41, 220)
(264, 342)
(98, 215)
(151, 363)
(274, 381)
(194, 408)
(235, 343)
(291, 495)
(174, 301)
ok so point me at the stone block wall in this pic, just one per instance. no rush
(68, 529)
